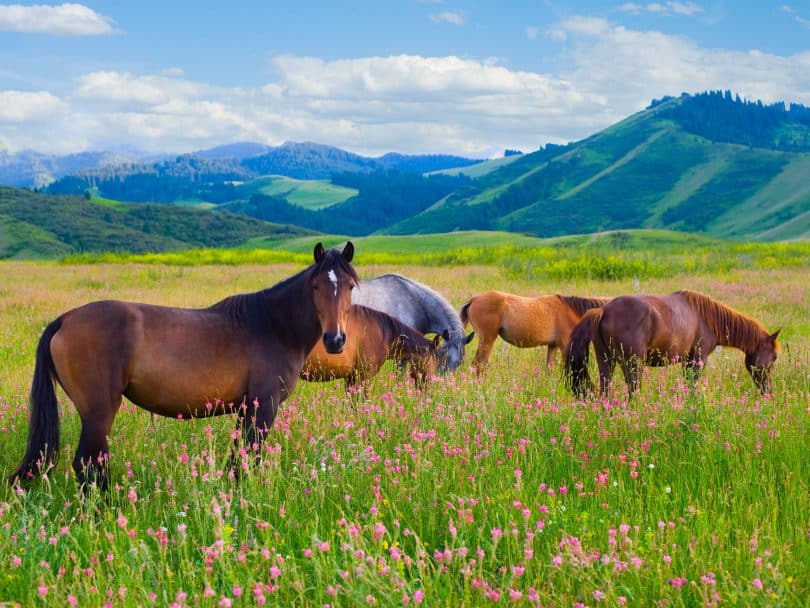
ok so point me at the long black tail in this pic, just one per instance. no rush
(576, 354)
(43, 430)
(465, 313)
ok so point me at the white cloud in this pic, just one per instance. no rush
(25, 107)
(452, 17)
(630, 67)
(61, 20)
(405, 103)
(661, 8)
(796, 16)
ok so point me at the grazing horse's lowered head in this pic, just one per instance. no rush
(759, 361)
(420, 307)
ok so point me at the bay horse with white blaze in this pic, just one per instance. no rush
(372, 338)
(523, 322)
(684, 326)
(244, 354)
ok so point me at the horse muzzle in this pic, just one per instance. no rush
(334, 343)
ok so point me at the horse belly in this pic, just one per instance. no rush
(527, 330)
(182, 380)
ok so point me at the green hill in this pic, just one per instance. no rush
(307, 193)
(36, 225)
(652, 170)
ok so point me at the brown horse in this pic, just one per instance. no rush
(243, 355)
(684, 326)
(374, 337)
(523, 322)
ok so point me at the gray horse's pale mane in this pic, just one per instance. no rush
(421, 292)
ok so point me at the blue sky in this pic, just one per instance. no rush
(412, 76)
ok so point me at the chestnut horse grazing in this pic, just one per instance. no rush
(243, 354)
(373, 337)
(524, 322)
(684, 326)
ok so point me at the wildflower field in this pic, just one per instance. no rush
(496, 491)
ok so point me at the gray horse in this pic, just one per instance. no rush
(420, 307)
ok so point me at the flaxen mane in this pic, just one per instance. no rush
(582, 305)
(731, 327)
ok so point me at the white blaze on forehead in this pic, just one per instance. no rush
(333, 277)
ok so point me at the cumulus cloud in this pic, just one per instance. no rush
(26, 107)
(452, 17)
(631, 67)
(405, 103)
(61, 20)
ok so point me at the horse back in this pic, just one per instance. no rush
(642, 324)
(168, 360)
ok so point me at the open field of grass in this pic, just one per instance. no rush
(608, 255)
(501, 491)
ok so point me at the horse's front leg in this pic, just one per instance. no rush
(692, 367)
(551, 354)
(255, 418)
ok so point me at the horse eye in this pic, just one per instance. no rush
(315, 286)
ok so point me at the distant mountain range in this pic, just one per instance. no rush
(708, 163)
(244, 160)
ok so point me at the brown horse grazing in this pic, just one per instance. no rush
(374, 337)
(683, 326)
(243, 354)
(524, 322)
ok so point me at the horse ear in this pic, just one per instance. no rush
(319, 253)
(446, 335)
(469, 338)
(774, 335)
(348, 251)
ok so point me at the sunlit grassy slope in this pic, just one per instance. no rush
(312, 193)
(646, 171)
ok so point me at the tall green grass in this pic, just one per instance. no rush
(496, 491)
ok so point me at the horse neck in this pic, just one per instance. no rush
(292, 311)
(730, 327)
(441, 315)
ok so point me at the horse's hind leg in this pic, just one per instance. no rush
(91, 462)
(607, 364)
(631, 367)
(481, 359)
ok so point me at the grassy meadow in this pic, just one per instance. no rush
(494, 491)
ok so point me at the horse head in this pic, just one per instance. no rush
(424, 360)
(450, 353)
(332, 281)
(759, 362)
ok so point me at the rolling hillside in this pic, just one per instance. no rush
(656, 169)
(45, 226)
